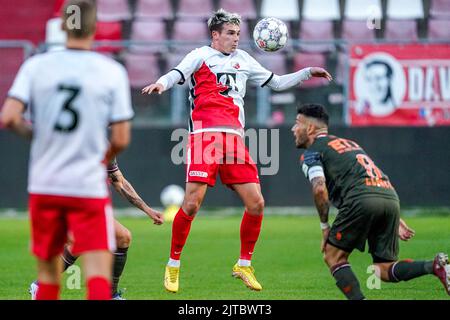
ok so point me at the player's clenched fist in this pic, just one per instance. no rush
(156, 87)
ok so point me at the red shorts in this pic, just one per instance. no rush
(90, 222)
(225, 153)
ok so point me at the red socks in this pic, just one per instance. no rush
(99, 288)
(47, 291)
(250, 228)
(180, 231)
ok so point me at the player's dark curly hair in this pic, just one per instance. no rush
(316, 111)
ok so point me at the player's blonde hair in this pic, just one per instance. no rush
(81, 26)
(221, 17)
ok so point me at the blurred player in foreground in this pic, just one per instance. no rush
(218, 76)
(74, 95)
(122, 234)
(369, 209)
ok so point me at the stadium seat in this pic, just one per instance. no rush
(246, 8)
(357, 31)
(113, 10)
(142, 69)
(200, 9)
(157, 9)
(55, 37)
(399, 30)
(314, 10)
(303, 60)
(316, 31)
(275, 62)
(10, 61)
(108, 31)
(288, 11)
(405, 9)
(439, 29)
(149, 30)
(24, 20)
(440, 9)
(363, 9)
(193, 31)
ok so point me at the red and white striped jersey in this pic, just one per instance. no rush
(73, 96)
(217, 83)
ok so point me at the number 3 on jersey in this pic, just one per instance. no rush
(68, 110)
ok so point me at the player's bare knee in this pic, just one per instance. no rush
(256, 208)
(123, 238)
(191, 207)
(332, 258)
(382, 271)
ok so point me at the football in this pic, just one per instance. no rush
(270, 34)
(172, 195)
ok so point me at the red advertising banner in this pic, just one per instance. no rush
(399, 85)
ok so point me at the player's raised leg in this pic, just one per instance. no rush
(405, 270)
(251, 196)
(194, 195)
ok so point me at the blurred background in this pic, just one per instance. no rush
(390, 60)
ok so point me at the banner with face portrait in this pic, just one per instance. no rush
(399, 85)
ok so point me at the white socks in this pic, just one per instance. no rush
(241, 263)
(173, 263)
(244, 263)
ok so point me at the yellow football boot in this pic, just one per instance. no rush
(171, 279)
(247, 274)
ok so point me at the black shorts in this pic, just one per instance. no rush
(372, 219)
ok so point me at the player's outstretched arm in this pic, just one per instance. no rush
(154, 87)
(11, 118)
(320, 73)
(291, 80)
(164, 83)
(405, 233)
(126, 190)
(322, 202)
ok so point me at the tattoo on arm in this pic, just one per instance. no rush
(131, 195)
(114, 176)
(126, 190)
(321, 198)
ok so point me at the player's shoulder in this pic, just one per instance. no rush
(37, 60)
(310, 156)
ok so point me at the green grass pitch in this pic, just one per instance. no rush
(287, 260)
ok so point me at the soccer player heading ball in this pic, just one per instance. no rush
(369, 209)
(217, 76)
